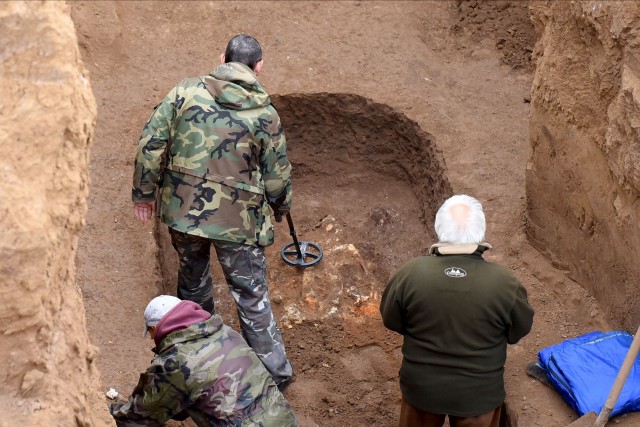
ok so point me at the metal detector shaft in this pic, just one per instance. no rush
(292, 232)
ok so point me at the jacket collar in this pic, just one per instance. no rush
(194, 332)
(453, 249)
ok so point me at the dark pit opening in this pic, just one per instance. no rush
(338, 140)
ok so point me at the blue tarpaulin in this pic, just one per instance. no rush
(583, 370)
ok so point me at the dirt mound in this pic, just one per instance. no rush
(48, 112)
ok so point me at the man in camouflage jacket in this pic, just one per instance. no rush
(215, 149)
(204, 370)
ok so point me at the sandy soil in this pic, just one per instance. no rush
(452, 75)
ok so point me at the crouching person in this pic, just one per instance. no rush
(203, 369)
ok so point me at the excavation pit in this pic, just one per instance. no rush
(367, 181)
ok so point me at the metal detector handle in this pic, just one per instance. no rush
(627, 364)
(292, 232)
(277, 214)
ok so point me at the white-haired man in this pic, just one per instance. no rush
(457, 313)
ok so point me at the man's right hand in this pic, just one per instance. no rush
(277, 216)
(278, 212)
(144, 211)
(277, 205)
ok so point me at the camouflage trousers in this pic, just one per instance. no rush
(245, 269)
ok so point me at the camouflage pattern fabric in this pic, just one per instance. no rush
(207, 372)
(245, 269)
(224, 151)
(194, 269)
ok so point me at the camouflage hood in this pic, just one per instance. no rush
(235, 86)
(196, 330)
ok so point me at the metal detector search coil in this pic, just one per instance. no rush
(300, 254)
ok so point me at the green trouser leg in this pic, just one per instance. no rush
(245, 268)
(194, 270)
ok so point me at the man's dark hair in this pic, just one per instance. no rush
(244, 49)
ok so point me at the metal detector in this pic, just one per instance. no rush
(304, 255)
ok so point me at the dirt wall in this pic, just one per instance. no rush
(47, 116)
(506, 24)
(582, 178)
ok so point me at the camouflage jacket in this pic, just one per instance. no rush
(223, 150)
(208, 372)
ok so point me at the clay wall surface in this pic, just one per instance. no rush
(47, 116)
(583, 178)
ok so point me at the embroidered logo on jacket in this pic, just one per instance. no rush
(455, 272)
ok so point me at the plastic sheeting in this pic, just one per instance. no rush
(583, 370)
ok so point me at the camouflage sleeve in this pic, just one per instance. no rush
(161, 395)
(276, 169)
(151, 148)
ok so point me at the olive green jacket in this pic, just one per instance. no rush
(457, 313)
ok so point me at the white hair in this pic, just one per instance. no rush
(460, 220)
